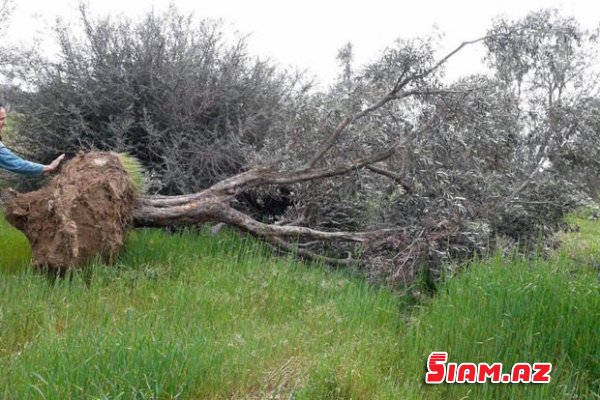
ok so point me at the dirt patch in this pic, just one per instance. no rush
(82, 214)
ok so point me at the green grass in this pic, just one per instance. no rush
(584, 244)
(15, 252)
(135, 171)
(194, 316)
(522, 311)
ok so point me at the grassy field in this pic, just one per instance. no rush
(193, 316)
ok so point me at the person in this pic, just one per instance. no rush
(14, 163)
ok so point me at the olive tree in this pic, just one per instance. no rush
(390, 167)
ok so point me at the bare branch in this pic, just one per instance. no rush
(261, 177)
(523, 185)
(216, 211)
(282, 244)
(392, 95)
(228, 188)
(330, 141)
(409, 93)
(440, 62)
(396, 177)
(237, 218)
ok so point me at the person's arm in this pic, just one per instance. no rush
(14, 163)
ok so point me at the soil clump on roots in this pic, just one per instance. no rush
(81, 215)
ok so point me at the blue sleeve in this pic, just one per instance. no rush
(14, 163)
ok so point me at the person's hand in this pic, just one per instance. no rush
(53, 165)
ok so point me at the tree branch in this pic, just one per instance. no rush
(282, 244)
(391, 95)
(197, 211)
(401, 180)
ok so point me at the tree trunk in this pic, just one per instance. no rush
(84, 212)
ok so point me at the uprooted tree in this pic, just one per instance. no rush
(390, 163)
(83, 213)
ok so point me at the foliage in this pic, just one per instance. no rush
(510, 153)
(548, 61)
(479, 158)
(168, 89)
(6, 7)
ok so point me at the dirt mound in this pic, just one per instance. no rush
(82, 214)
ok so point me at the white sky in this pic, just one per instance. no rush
(307, 34)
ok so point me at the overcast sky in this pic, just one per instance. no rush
(307, 34)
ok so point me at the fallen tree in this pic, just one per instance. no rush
(390, 164)
(84, 211)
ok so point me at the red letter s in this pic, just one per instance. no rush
(436, 367)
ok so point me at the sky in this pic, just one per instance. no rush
(306, 35)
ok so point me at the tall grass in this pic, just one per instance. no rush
(583, 244)
(135, 171)
(518, 311)
(15, 252)
(194, 316)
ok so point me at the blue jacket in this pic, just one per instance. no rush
(14, 163)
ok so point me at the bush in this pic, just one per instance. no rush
(167, 89)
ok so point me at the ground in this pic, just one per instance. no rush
(195, 316)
